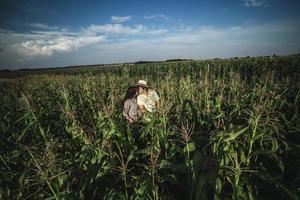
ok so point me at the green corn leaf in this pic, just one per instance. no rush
(234, 135)
(190, 147)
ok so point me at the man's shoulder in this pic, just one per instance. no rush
(151, 91)
(141, 98)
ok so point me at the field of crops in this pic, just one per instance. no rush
(227, 129)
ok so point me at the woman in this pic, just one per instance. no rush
(131, 110)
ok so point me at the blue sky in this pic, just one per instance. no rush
(36, 34)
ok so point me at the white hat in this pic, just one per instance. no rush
(142, 83)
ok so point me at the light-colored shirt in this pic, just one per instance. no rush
(131, 110)
(149, 101)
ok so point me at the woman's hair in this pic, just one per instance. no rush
(130, 93)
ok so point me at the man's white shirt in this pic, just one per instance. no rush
(148, 100)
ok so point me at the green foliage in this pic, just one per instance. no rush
(226, 129)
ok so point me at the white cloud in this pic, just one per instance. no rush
(156, 31)
(49, 40)
(99, 44)
(27, 46)
(156, 17)
(58, 33)
(120, 19)
(42, 26)
(33, 48)
(114, 29)
(203, 42)
(124, 30)
(255, 3)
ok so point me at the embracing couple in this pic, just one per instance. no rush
(139, 100)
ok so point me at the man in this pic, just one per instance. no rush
(147, 99)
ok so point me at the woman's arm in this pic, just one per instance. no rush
(126, 110)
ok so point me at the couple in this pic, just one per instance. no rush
(139, 99)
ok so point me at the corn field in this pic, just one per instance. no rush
(226, 129)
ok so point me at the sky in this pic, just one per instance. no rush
(58, 33)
